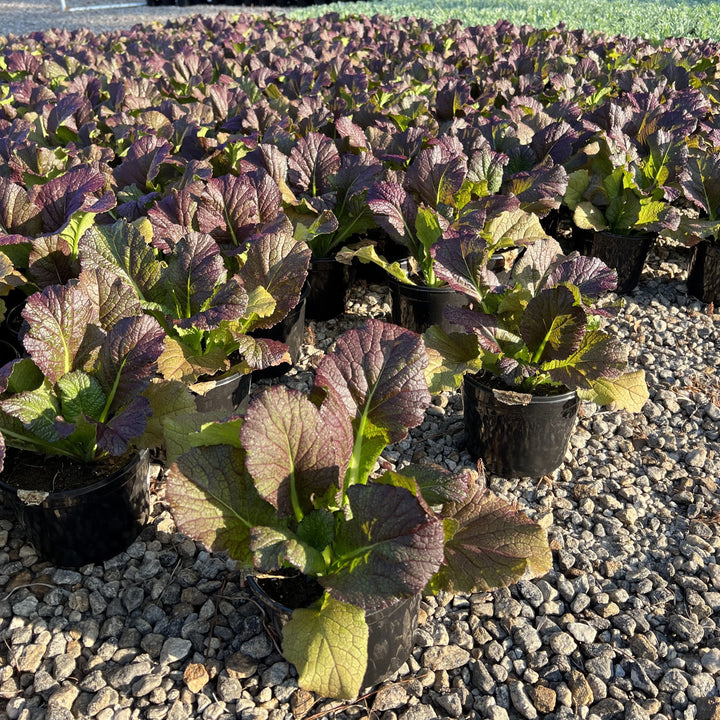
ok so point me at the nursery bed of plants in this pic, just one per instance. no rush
(165, 193)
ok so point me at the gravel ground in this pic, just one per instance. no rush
(626, 625)
(20, 17)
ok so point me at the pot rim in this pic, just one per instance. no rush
(61, 496)
(255, 587)
(564, 393)
(642, 236)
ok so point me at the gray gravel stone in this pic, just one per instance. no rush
(174, 649)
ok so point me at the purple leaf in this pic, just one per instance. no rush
(462, 262)
(590, 274)
(128, 358)
(194, 269)
(214, 500)
(57, 339)
(61, 197)
(438, 172)
(553, 324)
(292, 449)
(393, 545)
(279, 264)
(394, 211)
(494, 545)
(18, 214)
(378, 372)
(143, 160)
(126, 424)
(312, 162)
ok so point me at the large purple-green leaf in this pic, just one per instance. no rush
(539, 190)
(78, 189)
(128, 358)
(126, 424)
(552, 325)
(394, 210)
(536, 264)
(378, 372)
(214, 500)
(437, 173)
(491, 544)
(278, 264)
(51, 261)
(700, 183)
(60, 337)
(18, 214)
(389, 549)
(462, 262)
(231, 207)
(312, 163)
(194, 269)
(122, 250)
(293, 449)
(597, 356)
(113, 297)
(589, 274)
(143, 161)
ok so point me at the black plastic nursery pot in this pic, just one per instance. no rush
(89, 524)
(624, 253)
(391, 630)
(417, 307)
(516, 435)
(228, 395)
(330, 282)
(703, 281)
(291, 331)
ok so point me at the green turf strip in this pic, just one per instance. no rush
(655, 19)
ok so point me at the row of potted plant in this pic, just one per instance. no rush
(161, 208)
(112, 366)
(617, 136)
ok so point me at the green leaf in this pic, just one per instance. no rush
(598, 355)
(367, 254)
(518, 226)
(80, 395)
(589, 217)
(328, 646)
(260, 302)
(623, 212)
(275, 548)
(36, 410)
(214, 500)
(629, 391)
(25, 375)
(317, 528)
(450, 357)
(492, 545)
(578, 183)
(168, 399)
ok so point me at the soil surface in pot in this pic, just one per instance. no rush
(27, 470)
(291, 589)
(497, 383)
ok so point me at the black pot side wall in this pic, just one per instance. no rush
(624, 253)
(330, 282)
(91, 524)
(516, 440)
(703, 280)
(391, 631)
(417, 307)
